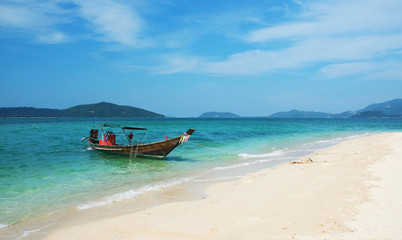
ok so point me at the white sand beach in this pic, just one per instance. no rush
(352, 190)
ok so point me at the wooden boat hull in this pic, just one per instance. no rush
(155, 149)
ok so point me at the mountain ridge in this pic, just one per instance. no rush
(102, 109)
(392, 108)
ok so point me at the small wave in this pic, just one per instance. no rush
(218, 179)
(234, 166)
(265, 155)
(255, 159)
(325, 141)
(51, 213)
(335, 140)
(26, 233)
(249, 163)
(3, 225)
(130, 194)
(358, 135)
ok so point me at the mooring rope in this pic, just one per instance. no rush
(212, 148)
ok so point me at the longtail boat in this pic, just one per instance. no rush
(134, 147)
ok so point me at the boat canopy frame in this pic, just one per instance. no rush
(131, 141)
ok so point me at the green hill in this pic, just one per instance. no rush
(28, 112)
(102, 109)
(391, 108)
(370, 114)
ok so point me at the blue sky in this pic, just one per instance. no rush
(182, 58)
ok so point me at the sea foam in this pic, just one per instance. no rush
(131, 194)
(2, 225)
(255, 159)
(335, 140)
(264, 155)
(26, 233)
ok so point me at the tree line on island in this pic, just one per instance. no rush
(391, 108)
(102, 109)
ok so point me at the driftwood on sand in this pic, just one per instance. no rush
(305, 161)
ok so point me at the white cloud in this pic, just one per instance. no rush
(19, 17)
(386, 74)
(305, 53)
(336, 18)
(388, 70)
(177, 64)
(54, 37)
(34, 18)
(346, 69)
(189, 28)
(112, 21)
(329, 32)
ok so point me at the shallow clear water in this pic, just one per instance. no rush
(45, 168)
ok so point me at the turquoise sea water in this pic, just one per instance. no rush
(46, 169)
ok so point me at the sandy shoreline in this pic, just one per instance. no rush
(350, 191)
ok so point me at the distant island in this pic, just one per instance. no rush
(218, 115)
(102, 109)
(391, 108)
